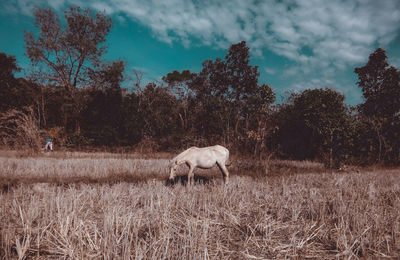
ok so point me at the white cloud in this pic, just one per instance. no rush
(121, 19)
(103, 7)
(340, 34)
(270, 71)
(314, 83)
(395, 62)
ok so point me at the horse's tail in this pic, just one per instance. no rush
(228, 161)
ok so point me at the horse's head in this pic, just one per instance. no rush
(172, 166)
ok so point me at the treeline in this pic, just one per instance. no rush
(75, 97)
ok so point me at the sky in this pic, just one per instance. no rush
(297, 45)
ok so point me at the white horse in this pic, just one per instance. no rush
(204, 158)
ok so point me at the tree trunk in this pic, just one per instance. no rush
(43, 106)
(77, 127)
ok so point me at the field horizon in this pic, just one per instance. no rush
(105, 205)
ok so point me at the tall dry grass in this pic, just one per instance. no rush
(20, 129)
(317, 214)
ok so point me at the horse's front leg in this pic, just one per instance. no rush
(191, 175)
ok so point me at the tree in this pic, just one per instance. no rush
(132, 124)
(8, 83)
(243, 82)
(17, 93)
(242, 77)
(102, 114)
(108, 76)
(224, 89)
(65, 56)
(178, 82)
(159, 111)
(313, 126)
(380, 84)
(258, 111)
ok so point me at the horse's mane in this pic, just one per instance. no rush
(181, 155)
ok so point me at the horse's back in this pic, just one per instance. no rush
(214, 151)
(220, 148)
(221, 151)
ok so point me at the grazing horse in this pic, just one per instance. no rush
(204, 158)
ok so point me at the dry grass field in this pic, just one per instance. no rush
(115, 206)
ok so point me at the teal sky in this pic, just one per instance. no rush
(296, 44)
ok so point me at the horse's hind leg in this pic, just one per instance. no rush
(224, 171)
(191, 175)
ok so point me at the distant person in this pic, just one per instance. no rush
(49, 144)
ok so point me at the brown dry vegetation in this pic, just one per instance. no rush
(96, 206)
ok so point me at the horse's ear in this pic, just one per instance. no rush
(172, 163)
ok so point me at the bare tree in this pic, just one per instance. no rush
(66, 55)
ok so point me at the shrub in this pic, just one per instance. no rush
(19, 129)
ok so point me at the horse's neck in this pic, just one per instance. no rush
(182, 155)
(180, 159)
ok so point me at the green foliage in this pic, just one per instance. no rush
(227, 101)
(78, 141)
(160, 113)
(241, 76)
(380, 112)
(176, 77)
(380, 85)
(313, 126)
(8, 83)
(101, 116)
(132, 120)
